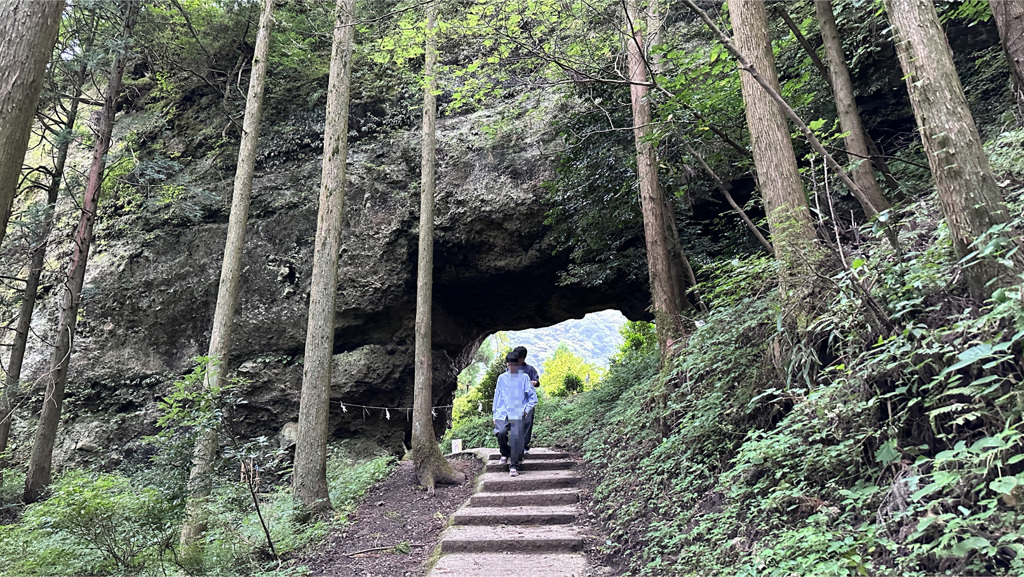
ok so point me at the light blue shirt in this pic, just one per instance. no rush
(513, 396)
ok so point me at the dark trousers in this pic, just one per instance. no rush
(510, 441)
(529, 430)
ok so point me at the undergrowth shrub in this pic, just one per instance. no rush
(92, 523)
(863, 446)
(128, 523)
(471, 413)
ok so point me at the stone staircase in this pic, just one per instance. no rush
(517, 525)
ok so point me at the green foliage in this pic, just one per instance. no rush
(1006, 154)
(566, 373)
(638, 337)
(847, 451)
(491, 349)
(348, 477)
(92, 523)
(595, 337)
(128, 523)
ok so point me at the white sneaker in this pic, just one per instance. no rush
(503, 461)
(513, 472)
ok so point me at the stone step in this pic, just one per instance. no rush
(528, 481)
(500, 565)
(521, 515)
(511, 539)
(534, 455)
(540, 498)
(539, 465)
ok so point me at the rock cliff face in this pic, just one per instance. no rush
(149, 301)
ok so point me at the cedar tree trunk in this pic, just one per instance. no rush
(789, 220)
(872, 200)
(1009, 17)
(431, 466)
(35, 271)
(667, 321)
(205, 451)
(309, 479)
(41, 460)
(970, 198)
(28, 31)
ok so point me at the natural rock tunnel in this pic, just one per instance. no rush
(148, 306)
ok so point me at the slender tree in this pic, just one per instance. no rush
(668, 322)
(35, 267)
(1009, 17)
(40, 462)
(205, 450)
(28, 31)
(789, 219)
(872, 200)
(431, 466)
(681, 273)
(970, 198)
(309, 479)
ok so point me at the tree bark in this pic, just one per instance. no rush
(309, 479)
(40, 462)
(971, 200)
(771, 88)
(1009, 17)
(431, 466)
(876, 156)
(667, 321)
(872, 201)
(682, 276)
(789, 219)
(35, 271)
(28, 31)
(205, 451)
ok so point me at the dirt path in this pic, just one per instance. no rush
(394, 512)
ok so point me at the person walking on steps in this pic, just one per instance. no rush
(514, 397)
(531, 372)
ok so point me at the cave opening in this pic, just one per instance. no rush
(593, 339)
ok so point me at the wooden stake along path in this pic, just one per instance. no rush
(523, 525)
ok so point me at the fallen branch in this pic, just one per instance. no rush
(371, 550)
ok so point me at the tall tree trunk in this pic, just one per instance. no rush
(28, 31)
(872, 201)
(1009, 17)
(35, 271)
(309, 479)
(970, 198)
(681, 273)
(431, 466)
(655, 22)
(205, 451)
(667, 321)
(876, 156)
(40, 462)
(789, 220)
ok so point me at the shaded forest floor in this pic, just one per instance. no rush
(394, 530)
